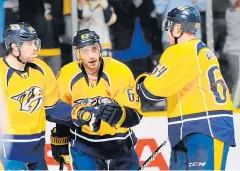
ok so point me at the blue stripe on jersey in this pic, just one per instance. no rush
(9, 75)
(35, 66)
(59, 113)
(27, 152)
(220, 123)
(105, 77)
(144, 93)
(75, 79)
(200, 46)
(201, 114)
(23, 137)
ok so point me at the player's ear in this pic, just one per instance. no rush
(14, 46)
(178, 29)
(15, 49)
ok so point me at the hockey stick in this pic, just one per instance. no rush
(152, 157)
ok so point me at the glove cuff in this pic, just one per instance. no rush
(122, 119)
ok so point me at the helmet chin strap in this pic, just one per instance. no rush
(176, 38)
(18, 57)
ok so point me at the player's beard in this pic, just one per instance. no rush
(30, 57)
(92, 69)
(92, 66)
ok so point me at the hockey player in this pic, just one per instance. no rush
(102, 138)
(199, 106)
(31, 94)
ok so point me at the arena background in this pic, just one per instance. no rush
(137, 43)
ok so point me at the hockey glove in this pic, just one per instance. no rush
(113, 114)
(59, 144)
(86, 115)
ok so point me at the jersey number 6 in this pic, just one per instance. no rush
(131, 96)
(218, 86)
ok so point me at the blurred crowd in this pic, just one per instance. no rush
(115, 22)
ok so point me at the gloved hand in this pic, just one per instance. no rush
(112, 113)
(59, 143)
(86, 115)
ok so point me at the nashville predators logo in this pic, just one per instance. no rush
(14, 27)
(84, 36)
(30, 100)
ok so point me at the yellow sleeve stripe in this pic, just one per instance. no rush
(218, 153)
(66, 7)
(107, 45)
(50, 52)
(122, 119)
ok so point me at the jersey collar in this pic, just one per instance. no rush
(99, 72)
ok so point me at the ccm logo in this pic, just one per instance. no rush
(194, 164)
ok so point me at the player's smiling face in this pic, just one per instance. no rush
(90, 56)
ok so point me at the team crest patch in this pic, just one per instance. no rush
(84, 36)
(30, 100)
(14, 27)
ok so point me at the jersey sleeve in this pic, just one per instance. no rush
(51, 94)
(129, 99)
(175, 70)
(63, 86)
(127, 95)
(56, 110)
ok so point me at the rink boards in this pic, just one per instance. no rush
(151, 133)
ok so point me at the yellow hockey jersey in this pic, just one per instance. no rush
(31, 96)
(115, 82)
(189, 76)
